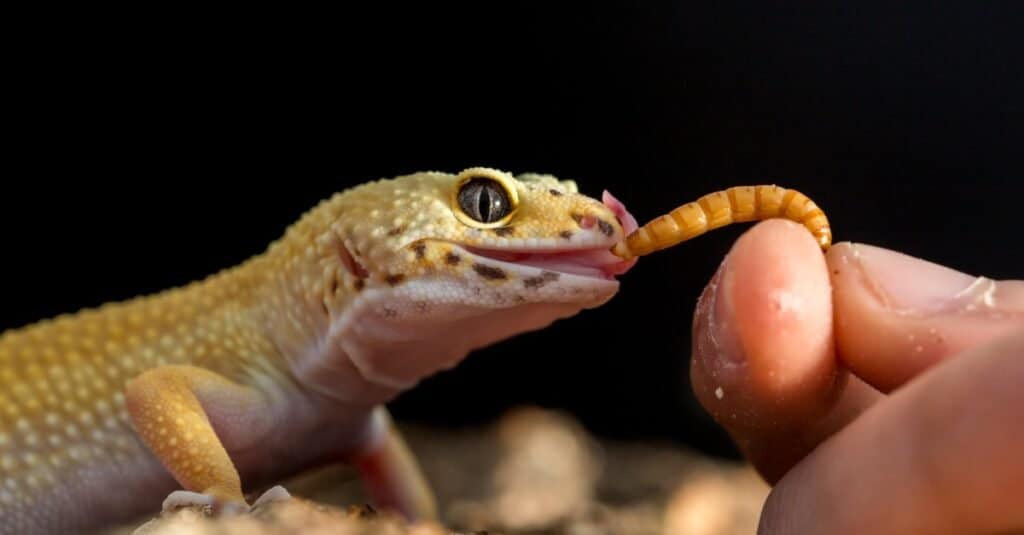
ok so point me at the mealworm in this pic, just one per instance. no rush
(734, 205)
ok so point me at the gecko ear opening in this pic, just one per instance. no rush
(484, 198)
(350, 263)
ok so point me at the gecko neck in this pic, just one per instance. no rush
(359, 338)
(305, 288)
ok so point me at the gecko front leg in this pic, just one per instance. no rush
(391, 473)
(175, 410)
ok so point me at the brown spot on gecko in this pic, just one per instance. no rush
(504, 231)
(567, 234)
(359, 284)
(489, 272)
(540, 280)
(389, 312)
(419, 248)
(421, 306)
(519, 299)
(332, 287)
(396, 231)
(578, 218)
(395, 279)
(452, 259)
(605, 227)
(555, 192)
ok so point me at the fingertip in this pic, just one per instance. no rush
(781, 299)
(763, 329)
(763, 356)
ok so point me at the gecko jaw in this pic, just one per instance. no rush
(594, 262)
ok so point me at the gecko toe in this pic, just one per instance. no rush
(206, 503)
(182, 499)
(210, 505)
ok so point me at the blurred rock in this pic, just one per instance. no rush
(535, 471)
(288, 517)
(714, 502)
(547, 471)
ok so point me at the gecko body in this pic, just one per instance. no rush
(202, 393)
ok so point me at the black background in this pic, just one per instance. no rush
(147, 149)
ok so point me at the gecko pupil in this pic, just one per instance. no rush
(484, 200)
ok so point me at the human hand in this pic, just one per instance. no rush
(877, 393)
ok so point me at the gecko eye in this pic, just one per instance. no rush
(485, 199)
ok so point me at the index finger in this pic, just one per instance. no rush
(897, 315)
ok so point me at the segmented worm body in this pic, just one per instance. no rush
(734, 205)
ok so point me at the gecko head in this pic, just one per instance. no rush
(440, 264)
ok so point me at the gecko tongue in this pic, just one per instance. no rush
(628, 223)
(627, 220)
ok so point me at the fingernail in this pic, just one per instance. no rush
(904, 282)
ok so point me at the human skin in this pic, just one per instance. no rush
(876, 392)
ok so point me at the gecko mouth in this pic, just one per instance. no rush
(598, 263)
(594, 262)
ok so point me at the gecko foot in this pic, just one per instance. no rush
(209, 505)
(212, 506)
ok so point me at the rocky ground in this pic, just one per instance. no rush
(534, 472)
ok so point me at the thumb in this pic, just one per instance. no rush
(897, 315)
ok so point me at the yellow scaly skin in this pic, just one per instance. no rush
(284, 362)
